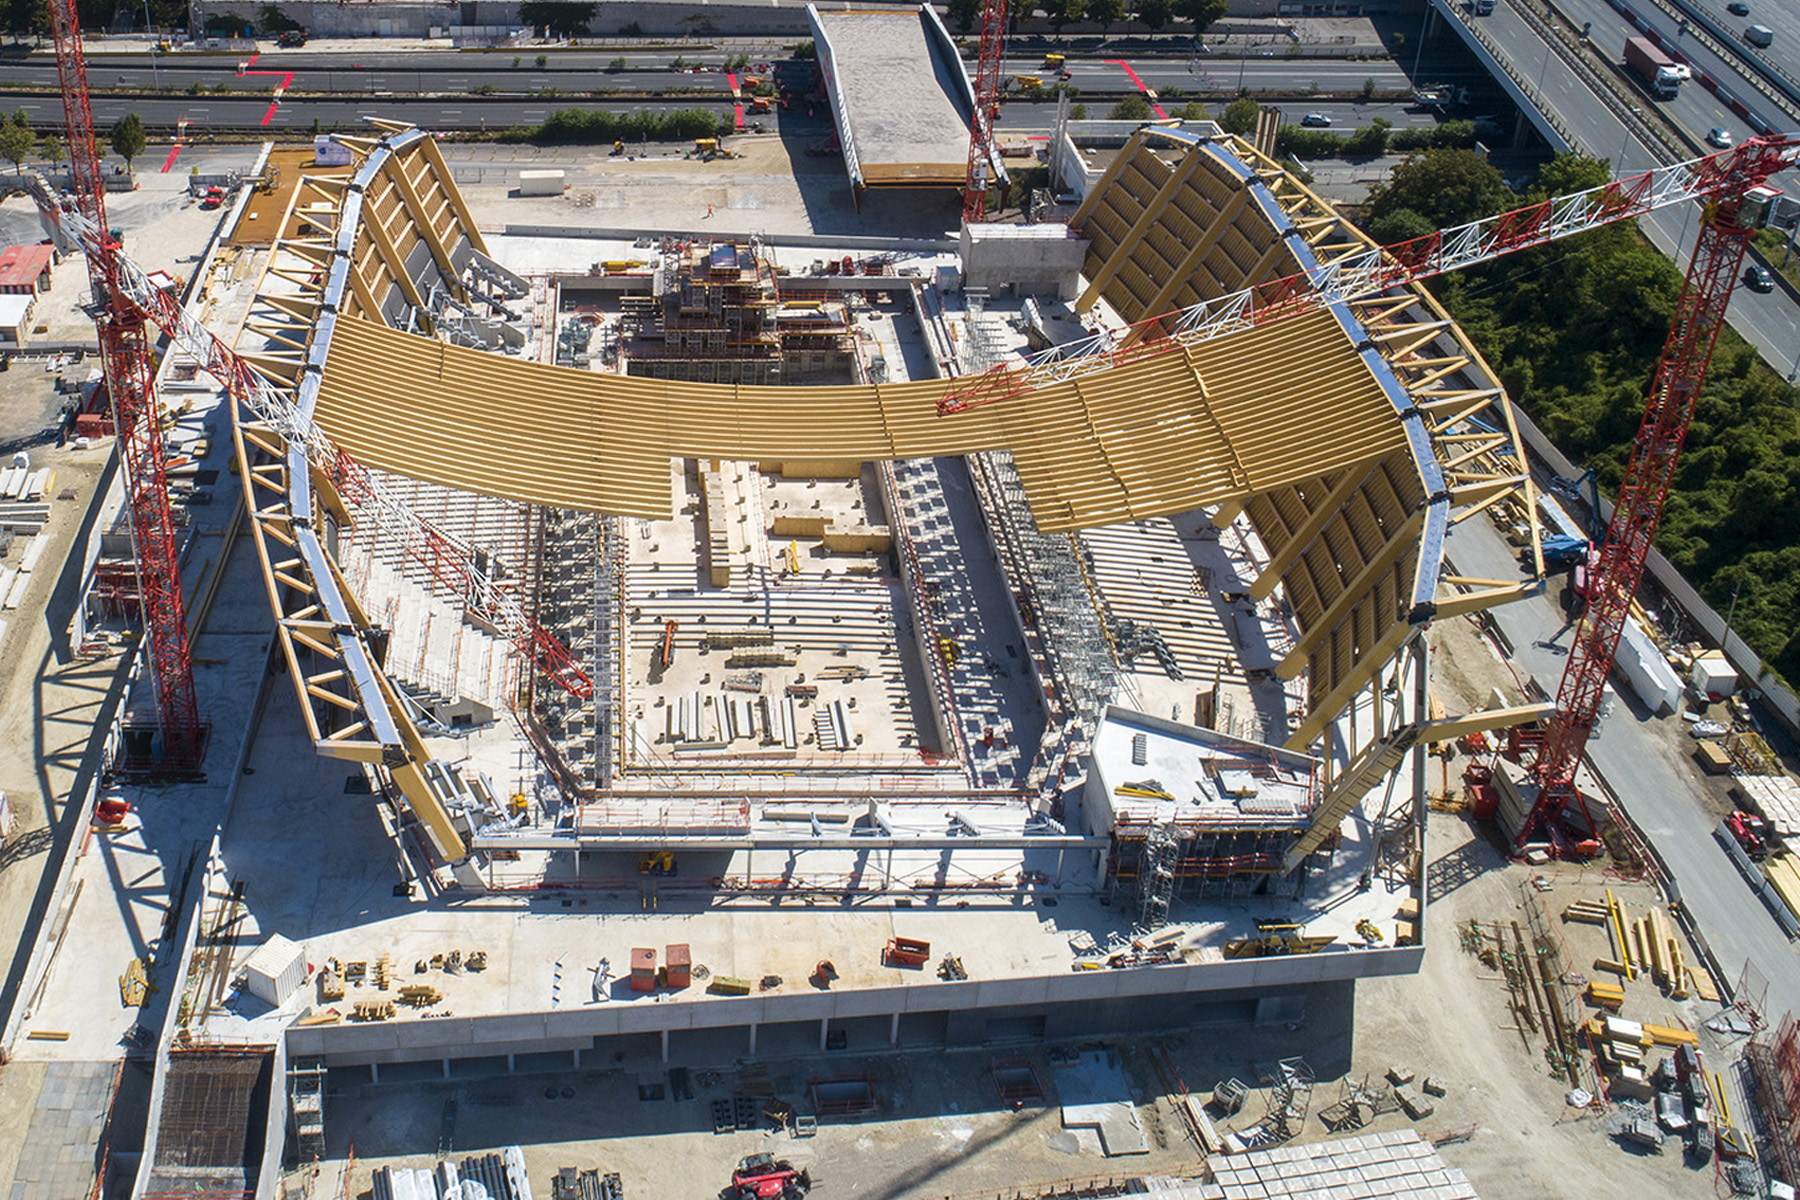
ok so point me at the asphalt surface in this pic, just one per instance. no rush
(1656, 786)
(443, 90)
(1768, 320)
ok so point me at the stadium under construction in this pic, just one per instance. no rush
(699, 679)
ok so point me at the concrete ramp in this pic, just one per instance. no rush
(899, 96)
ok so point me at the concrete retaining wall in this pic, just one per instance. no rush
(1091, 992)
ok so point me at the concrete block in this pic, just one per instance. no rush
(1399, 1075)
(1434, 1086)
(1412, 1104)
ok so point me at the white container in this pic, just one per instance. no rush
(1712, 675)
(275, 969)
(1647, 671)
(540, 183)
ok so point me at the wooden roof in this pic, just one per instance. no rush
(1224, 419)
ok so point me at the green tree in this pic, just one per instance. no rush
(128, 138)
(1401, 225)
(1105, 13)
(1371, 141)
(1193, 111)
(1131, 108)
(1078, 112)
(16, 140)
(964, 14)
(1203, 13)
(1446, 187)
(1063, 12)
(24, 17)
(272, 20)
(1154, 14)
(1239, 116)
(1569, 172)
(51, 147)
(1368, 88)
(558, 18)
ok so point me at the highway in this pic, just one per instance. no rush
(482, 90)
(298, 113)
(1770, 321)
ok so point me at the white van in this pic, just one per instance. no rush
(1759, 35)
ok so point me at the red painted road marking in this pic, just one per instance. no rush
(731, 81)
(1138, 84)
(170, 161)
(287, 77)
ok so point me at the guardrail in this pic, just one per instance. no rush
(1559, 135)
(1759, 883)
(1775, 83)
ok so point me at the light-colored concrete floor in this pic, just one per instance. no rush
(941, 1130)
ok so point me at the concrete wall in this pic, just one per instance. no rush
(1008, 264)
(1085, 1001)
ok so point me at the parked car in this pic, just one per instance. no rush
(291, 40)
(1719, 137)
(1738, 8)
(1758, 279)
(1315, 120)
(213, 198)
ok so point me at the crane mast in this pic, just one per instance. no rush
(1559, 814)
(987, 105)
(130, 384)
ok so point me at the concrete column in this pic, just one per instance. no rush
(894, 1032)
(753, 1039)
(824, 1030)
(577, 1053)
(446, 1068)
(665, 1045)
(374, 1072)
(512, 1066)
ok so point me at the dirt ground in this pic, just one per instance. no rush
(48, 699)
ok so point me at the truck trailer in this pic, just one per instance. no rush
(1653, 68)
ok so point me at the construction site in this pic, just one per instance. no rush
(960, 694)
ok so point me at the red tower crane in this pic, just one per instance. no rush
(1723, 183)
(987, 107)
(1559, 814)
(130, 384)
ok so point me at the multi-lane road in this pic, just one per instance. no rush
(290, 90)
(1770, 321)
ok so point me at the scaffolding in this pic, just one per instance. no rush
(1225, 863)
(1064, 630)
(716, 314)
(1774, 1060)
(1156, 876)
(306, 1107)
(578, 600)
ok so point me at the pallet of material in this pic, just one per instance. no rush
(1712, 756)
(1774, 798)
(1783, 871)
(1587, 912)
(1664, 1035)
(1605, 995)
(1704, 987)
